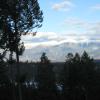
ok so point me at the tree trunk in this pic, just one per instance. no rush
(17, 60)
(18, 75)
(12, 76)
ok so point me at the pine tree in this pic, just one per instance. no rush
(79, 75)
(17, 18)
(45, 74)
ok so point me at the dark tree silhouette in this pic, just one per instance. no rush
(4, 79)
(88, 73)
(79, 74)
(45, 77)
(17, 18)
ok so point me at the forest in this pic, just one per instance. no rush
(77, 78)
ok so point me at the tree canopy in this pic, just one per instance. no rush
(17, 17)
(45, 74)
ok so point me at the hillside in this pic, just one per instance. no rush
(30, 69)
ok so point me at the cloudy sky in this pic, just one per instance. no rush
(66, 21)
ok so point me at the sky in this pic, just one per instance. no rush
(61, 16)
(66, 21)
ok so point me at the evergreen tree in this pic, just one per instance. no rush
(4, 79)
(45, 74)
(88, 68)
(17, 18)
(79, 75)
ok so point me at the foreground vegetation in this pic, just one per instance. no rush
(78, 78)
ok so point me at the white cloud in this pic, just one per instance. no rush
(75, 22)
(85, 26)
(40, 35)
(60, 44)
(61, 48)
(47, 43)
(59, 39)
(45, 34)
(96, 7)
(65, 5)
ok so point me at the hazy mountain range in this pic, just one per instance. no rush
(58, 52)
